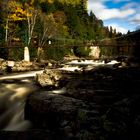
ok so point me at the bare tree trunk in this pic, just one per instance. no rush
(40, 54)
(6, 32)
(31, 24)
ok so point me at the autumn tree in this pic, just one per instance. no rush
(45, 29)
(1, 22)
(13, 12)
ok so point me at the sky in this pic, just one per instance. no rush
(123, 15)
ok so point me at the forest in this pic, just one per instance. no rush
(32, 23)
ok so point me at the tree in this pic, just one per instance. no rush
(110, 32)
(13, 12)
(45, 29)
(31, 13)
(1, 22)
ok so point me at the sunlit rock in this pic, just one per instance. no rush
(95, 52)
(49, 78)
(26, 63)
(10, 63)
(49, 64)
(4, 65)
(23, 66)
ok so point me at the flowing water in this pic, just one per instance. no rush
(14, 88)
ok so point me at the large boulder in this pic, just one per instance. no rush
(54, 112)
(98, 104)
(49, 77)
(122, 120)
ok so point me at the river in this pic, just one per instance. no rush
(14, 89)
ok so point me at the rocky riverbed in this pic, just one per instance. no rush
(96, 104)
(91, 103)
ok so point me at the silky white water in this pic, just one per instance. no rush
(14, 89)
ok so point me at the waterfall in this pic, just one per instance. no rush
(14, 90)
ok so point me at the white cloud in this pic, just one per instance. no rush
(119, 28)
(126, 14)
(129, 5)
(135, 19)
(106, 14)
(102, 12)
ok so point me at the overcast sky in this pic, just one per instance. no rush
(123, 15)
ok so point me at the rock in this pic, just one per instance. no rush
(102, 102)
(32, 135)
(1, 59)
(49, 78)
(122, 120)
(95, 52)
(10, 63)
(49, 64)
(52, 107)
(22, 66)
(58, 112)
(26, 63)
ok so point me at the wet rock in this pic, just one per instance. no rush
(97, 104)
(122, 120)
(58, 112)
(32, 135)
(49, 77)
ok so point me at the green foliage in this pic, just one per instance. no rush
(24, 39)
(3, 53)
(108, 51)
(47, 7)
(33, 53)
(56, 53)
(19, 54)
(68, 19)
(81, 51)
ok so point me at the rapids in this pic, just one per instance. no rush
(14, 88)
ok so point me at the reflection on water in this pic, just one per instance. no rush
(13, 92)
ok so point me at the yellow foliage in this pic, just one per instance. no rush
(50, 1)
(16, 11)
